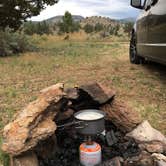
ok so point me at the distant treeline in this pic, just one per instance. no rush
(68, 25)
(40, 28)
(13, 42)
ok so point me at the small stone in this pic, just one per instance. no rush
(110, 138)
(144, 159)
(160, 163)
(153, 147)
(158, 156)
(72, 93)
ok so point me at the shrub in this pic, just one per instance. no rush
(128, 27)
(113, 30)
(88, 28)
(14, 42)
(99, 27)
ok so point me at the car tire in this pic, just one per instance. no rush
(134, 58)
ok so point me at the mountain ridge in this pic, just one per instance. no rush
(79, 18)
(58, 18)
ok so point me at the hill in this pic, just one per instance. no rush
(56, 19)
(106, 21)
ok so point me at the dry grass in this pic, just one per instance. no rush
(78, 62)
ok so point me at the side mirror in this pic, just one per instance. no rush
(136, 4)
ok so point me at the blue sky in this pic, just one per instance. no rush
(110, 8)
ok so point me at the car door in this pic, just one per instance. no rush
(142, 29)
(156, 45)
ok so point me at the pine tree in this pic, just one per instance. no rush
(68, 25)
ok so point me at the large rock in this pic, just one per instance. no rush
(89, 96)
(34, 122)
(146, 133)
(124, 117)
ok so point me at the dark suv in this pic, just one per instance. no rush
(148, 39)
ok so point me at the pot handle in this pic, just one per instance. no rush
(82, 126)
(74, 123)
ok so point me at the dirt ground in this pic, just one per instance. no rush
(79, 62)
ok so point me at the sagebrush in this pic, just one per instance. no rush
(14, 42)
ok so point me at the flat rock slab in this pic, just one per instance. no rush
(98, 92)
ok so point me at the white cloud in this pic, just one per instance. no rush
(110, 8)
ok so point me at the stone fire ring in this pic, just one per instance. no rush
(36, 122)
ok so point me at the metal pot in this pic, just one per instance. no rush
(90, 127)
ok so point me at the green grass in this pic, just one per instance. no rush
(80, 62)
(4, 158)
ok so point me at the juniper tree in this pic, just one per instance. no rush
(14, 12)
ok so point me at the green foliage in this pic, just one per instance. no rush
(114, 30)
(68, 25)
(29, 28)
(105, 30)
(76, 27)
(117, 27)
(12, 43)
(98, 27)
(104, 34)
(14, 12)
(128, 27)
(4, 158)
(88, 28)
(40, 28)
